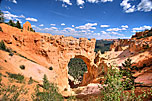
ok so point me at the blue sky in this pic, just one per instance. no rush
(100, 19)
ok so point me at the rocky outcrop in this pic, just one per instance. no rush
(27, 26)
(53, 51)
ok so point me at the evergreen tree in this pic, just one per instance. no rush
(18, 25)
(11, 23)
(1, 17)
(32, 30)
(46, 84)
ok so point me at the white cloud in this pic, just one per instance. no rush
(102, 26)
(116, 33)
(112, 33)
(33, 26)
(87, 26)
(125, 4)
(14, 1)
(98, 34)
(124, 26)
(41, 25)
(141, 28)
(97, 1)
(93, 1)
(80, 2)
(53, 28)
(106, 0)
(21, 16)
(127, 7)
(114, 29)
(9, 16)
(145, 5)
(67, 2)
(131, 9)
(72, 25)
(53, 24)
(62, 24)
(32, 19)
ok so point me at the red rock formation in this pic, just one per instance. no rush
(48, 50)
(27, 26)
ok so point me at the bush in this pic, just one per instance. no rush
(31, 29)
(18, 77)
(50, 68)
(11, 54)
(11, 92)
(2, 45)
(22, 66)
(1, 29)
(30, 80)
(49, 93)
(128, 82)
(114, 89)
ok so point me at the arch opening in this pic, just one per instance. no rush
(77, 67)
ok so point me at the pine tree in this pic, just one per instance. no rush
(11, 23)
(18, 25)
(1, 17)
(46, 84)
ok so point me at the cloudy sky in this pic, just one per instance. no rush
(98, 19)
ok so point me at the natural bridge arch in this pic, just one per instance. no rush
(52, 51)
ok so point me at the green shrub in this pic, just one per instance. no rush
(30, 81)
(114, 88)
(51, 68)
(2, 45)
(22, 66)
(32, 30)
(49, 93)
(12, 92)
(18, 77)
(129, 79)
(1, 29)
(11, 54)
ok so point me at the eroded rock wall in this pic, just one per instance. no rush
(52, 51)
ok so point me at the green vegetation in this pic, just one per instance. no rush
(32, 30)
(2, 46)
(114, 89)
(51, 68)
(1, 17)
(30, 80)
(49, 93)
(18, 77)
(11, 23)
(102, 45)
(1, 29)
(18, 25)
(77, 67)
(22, 67)
(11, 54)
(128, 82)
(11, 92)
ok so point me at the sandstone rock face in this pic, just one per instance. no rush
(27, 26)
(133, 45)
(52, 51)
